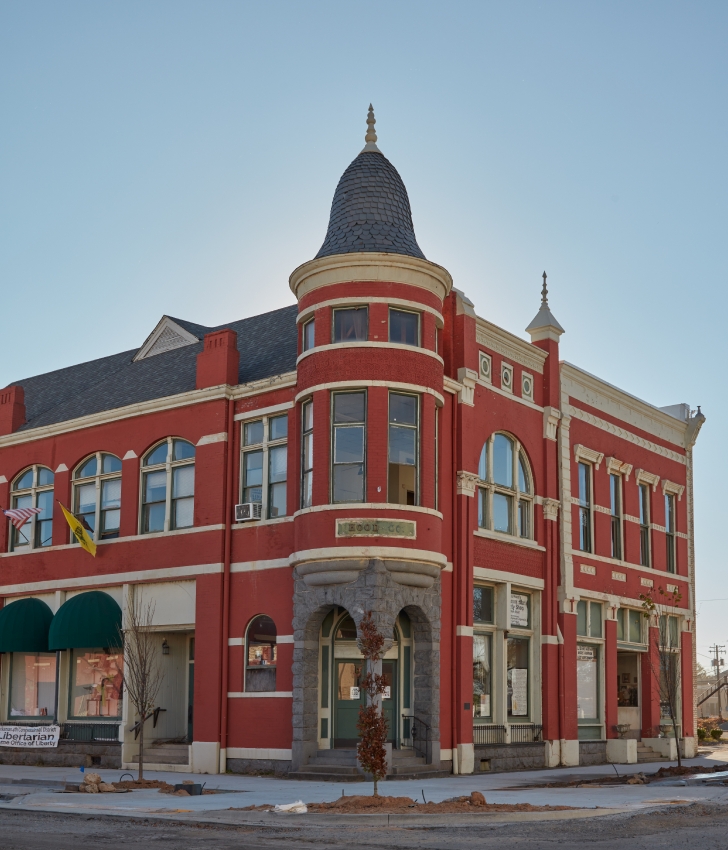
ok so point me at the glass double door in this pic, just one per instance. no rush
(350, 696)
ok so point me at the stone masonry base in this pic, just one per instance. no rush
(66, 754)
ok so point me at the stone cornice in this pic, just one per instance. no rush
(590, 455)
(374, 266)
(512, 347)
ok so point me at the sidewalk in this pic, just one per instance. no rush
(39, 789)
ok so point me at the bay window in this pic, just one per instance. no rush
(308, 335)
(348, 441)
(404, 442)
(307, 454)
(404, 327)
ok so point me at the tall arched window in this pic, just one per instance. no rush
(505, 494)
(33, 488)
(168, 486)
(97, 495)
(261, 655)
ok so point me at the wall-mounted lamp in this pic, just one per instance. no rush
(165, 647)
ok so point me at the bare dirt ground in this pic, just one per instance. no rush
(668, 828)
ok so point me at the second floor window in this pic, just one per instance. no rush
(615, 497)
(168, 486)
(670, 531)
(97, 495)
(351, 324)
(505, 497)
(33, 489)
(585, 507)
(265, 464)
(308, 335)
(348, 441)
(404, 327)
(307, 454)
(644, 525)
(404, 443)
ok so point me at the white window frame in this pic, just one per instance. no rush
(646, 520)
(97, 480)
(488, 487)
(33, 492)
(587, 505)
(169, 465)
(265, 447)
(391, 309)
(616, 512)
(306, 434)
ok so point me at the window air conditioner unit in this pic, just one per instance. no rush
(248, 511)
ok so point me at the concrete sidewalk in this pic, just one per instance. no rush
(39, 789)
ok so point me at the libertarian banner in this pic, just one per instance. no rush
(29, 736)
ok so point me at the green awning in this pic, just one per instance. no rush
(24, 626)
(89, 620)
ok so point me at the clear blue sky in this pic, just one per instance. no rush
(180, 158)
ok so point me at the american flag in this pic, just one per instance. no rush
(19, 516)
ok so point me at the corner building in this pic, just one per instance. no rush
(376, 447)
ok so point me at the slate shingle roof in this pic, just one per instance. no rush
(267, 346)
(371, 211)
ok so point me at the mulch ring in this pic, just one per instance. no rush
(164, 787)
(359, 804)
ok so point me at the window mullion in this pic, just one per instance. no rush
(168, 500)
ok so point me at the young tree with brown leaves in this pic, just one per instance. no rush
(143, 672)
(372, 725)
(663, 653)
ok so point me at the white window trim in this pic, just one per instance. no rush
(641, 476)
(619, 467)
(168, 465)
(486, 367)
(265, 447)
(506, 369)
(591, 507)
(33, 492)
(669, 487)
(527, 377)
(97, 480)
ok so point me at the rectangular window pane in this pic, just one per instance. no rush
(154, 517)
(350, 325)
(183, 481)
(582, 614)
(349, 444)
(155, 486)
(644, 497)
(584, 482)
(349, 407)
(622, 627)
(86, 499)
(253, 477)
(517, 653)
(253, 433)
(502, 513)
(523, 518)
(404, 327)
(482, 507)
(96, 684)
(277, 500)
(32, 685)
(402, 484)
(482, 704)
(44, 520)
(277, 466)
(587, 682)
(278, 427)
(584, 530)
(402, 445)
(482, 604)
(22, 537)
(307, 490)
(348, 484)
(183, 513)
(635, 626)
(110, 521)
(111, 493)
(403, 409)
(309, 335)
(595, 619)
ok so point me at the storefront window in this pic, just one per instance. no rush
(629, 625)
(261, 655)
(32, 685)
(482, 677)
(96, 684)
(518, 676)
(587, 682)
(482, 604)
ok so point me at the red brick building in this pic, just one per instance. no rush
(376, 447)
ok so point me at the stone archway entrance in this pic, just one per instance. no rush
(385, 589)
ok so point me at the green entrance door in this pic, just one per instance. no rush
(350, 696)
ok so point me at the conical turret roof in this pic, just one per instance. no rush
(371, 209)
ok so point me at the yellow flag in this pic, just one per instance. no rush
(79, 532)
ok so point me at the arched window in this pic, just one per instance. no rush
(261, 655)
(97, 495)
(33, 488)
(168, 486)
(505, 494)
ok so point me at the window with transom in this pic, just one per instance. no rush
(168, 486)
(505, 494)
(97, 495)
(33, 488)
(265, 464)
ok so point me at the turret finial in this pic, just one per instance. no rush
(371, 136)
(544, 293)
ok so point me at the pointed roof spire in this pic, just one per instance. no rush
(544, 325)
(371, 136)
